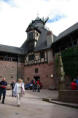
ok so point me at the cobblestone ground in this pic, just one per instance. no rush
(32, 106)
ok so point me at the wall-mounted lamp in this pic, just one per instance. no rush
(51, 75)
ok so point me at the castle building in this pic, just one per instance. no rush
(34, 59)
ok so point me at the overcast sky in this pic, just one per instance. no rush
(15, 16)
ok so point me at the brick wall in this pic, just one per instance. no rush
(11, 70)
(68, 96)
(44, 71)
(8, 70)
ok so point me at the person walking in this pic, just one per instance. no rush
(73, 85)
(38, 85)
(77, 82)
(12, 86)
(34, 85)
(19, 90)
(3, 85)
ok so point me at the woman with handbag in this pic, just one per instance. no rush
(19, 90)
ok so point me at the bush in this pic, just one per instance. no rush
(70, 61)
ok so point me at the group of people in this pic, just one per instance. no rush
(17, 90)
(36, 85)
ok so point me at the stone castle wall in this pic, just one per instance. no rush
(44, 71)
(8, 70)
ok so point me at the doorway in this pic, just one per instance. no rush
(37, 78)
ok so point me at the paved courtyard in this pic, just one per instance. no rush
(32, 106)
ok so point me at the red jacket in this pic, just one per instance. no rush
(38, 82)
(73, 85)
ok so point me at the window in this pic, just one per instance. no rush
(28, 78)
(37, 34)
(31, 45)
(42, 55)
(31, 57)
(1, 57)
(30, 35)
(35, 43)
(0, 76)
(11, 76)
(36, 70)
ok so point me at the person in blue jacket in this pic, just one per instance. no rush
(3, 85)
(77, 82)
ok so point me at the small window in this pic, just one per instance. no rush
(42, 55)
(31, 57)
(30, 35)
(28, 78)
(11, 76)
(0, 76)
(36, 70)
(37, 34)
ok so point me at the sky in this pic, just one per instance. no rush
(16, 15)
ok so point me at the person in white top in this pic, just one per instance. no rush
(19, 90)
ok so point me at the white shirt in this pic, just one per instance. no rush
(19, 88)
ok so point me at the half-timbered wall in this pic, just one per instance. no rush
(36, 58)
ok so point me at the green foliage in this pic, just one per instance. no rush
(57, 65)
(70, 61)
